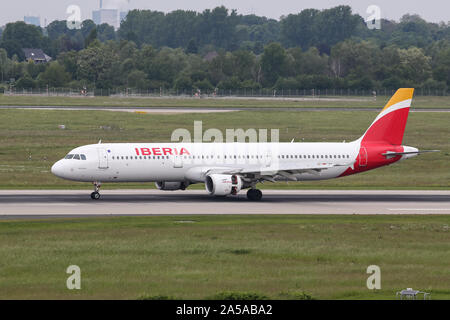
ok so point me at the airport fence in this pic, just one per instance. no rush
(238, 93)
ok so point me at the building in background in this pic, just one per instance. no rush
(96, 16)
(109, 16)
(123, 15)
(36, 55)
(32, 20)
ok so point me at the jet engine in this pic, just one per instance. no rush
(164, 185)
(223, 184)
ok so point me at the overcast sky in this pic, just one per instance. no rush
(431, 10)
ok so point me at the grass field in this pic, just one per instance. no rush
(355, 102)
(197, 257)
(30, 142)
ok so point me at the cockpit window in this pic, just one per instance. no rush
(83, 157)
(76, 157)
(69, 156)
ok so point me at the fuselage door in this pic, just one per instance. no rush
(362, 157)
(268, 160)
(102, 159)
(178, 161)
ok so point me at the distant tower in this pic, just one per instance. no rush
(101, 4)
(32, 20)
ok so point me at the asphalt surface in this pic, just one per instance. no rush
(77, 203)
(171, 110)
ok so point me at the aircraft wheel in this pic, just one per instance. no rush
(254, 194)
(95, 195)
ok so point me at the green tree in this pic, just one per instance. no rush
(192, 47)
(183, 83)
(5, 64)
(414, 65)
(309, 62)
(57, 29)
(441, 70)
(273, 63)
(137, 79)
(25, 35)
(13, 48)
(86, 28)
(94, 65)
(105, 32)
(337, 24)
(69, 61)
(244, 65)
(91, 38)
(54, 76)
(355, 59)
(300, 29)
(25, 82)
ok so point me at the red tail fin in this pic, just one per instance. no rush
(389, 126)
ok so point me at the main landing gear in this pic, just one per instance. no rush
(254, 194)
(96, 195)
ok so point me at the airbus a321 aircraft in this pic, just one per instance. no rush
(227, 168)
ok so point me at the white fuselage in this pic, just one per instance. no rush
(190, 162)
(227, 168)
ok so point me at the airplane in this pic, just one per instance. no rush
(228, 168)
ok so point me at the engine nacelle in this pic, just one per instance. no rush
(223, 184)
(164, 185)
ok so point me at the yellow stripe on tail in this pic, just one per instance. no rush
(399, 96)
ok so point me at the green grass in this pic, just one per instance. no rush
(277, 257)
(355, 102)
(30, 142)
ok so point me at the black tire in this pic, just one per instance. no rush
(95, 195)
(254, 195)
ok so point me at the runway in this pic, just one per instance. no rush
(175, 110)
(77, 203)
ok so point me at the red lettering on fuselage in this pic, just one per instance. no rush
(156, 151)
(184, 151)
(161, 151)
(167, 151)
(146, 151)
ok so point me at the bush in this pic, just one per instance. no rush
(25, 82)
(137, 79)
(232, 83)
(236, 295)
(204, 85)
(183, 83)
(155, 297)
(295, 295)
(314, 82)
(250, 84)
(434, 85)
(286, 83)
(364, 83)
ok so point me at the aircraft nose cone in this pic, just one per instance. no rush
(57, 169)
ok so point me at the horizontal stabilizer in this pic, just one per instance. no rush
(393, 153)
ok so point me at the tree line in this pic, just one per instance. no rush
(221, 49)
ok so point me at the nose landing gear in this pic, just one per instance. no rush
(96, 195)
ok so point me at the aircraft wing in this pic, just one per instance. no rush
(270, 172)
